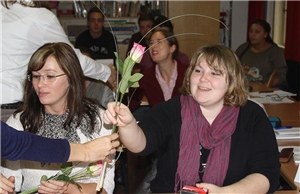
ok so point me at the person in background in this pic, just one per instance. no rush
(161, 22)
(99, 40)
(145, 23)
(161, 81)
(211, 136)
(22, 37)
(19, 145)
(263, 55)
(96, 89)
(55, 107)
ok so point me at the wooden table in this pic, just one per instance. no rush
(288, 172)
(287, 192)
(289, 114)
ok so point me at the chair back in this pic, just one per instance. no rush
(271, 79)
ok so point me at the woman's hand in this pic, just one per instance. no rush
(253, 183)
(210, 188)
(53, 186)
(6, 185)
(124, 115)
(131, 135)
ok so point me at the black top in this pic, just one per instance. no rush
(103, 47)
(253, 147)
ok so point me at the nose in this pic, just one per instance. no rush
(41, 81)
(204, 77)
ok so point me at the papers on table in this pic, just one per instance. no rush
(292, 133)
(273, 97)
(265, 94)
(266, 100)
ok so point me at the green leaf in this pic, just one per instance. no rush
(127, 68)
(133, 84)
(119, 63)
(136, 77)
(44, 178)
(63, 177)
(123, 86)
(66, 168)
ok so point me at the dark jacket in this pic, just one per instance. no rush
(253, 145)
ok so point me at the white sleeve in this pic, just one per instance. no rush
(109, 180)
(90, 67)
(12, 168)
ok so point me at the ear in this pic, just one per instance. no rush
(173, 48)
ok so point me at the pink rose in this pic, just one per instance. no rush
(137, 52)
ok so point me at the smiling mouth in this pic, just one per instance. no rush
(154, 53)
(204, 88)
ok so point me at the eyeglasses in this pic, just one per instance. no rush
(48, 78)
(275, 97)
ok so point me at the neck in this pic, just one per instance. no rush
(56, 110)
(96, 34)
(166, 70)
(210, 113)
(261, 46)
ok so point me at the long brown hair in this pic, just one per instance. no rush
(221, 58)
(78, 104)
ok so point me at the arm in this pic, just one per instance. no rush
(130, 133)
(253, 183)
(17, 145)
(94, 150)
(280, 65)
(53, 186)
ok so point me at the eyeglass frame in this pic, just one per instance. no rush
(53, 77)
(275, 97)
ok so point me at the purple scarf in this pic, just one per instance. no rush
(196, 131)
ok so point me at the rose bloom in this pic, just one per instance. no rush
(95, 169)
(137, 52)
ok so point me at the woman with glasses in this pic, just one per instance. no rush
(55, 107)
(161, 81)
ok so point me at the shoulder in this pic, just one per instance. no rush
(106, 32)
(252, 110)
(84, 34)
(136, 37)
(39, 15)
(149, 71)
(14, 121)
(167, 111)
(275, 49)
(170, 106)
(242, 47)
(182, 57)
(181, 66)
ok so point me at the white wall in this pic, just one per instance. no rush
(238, 21)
